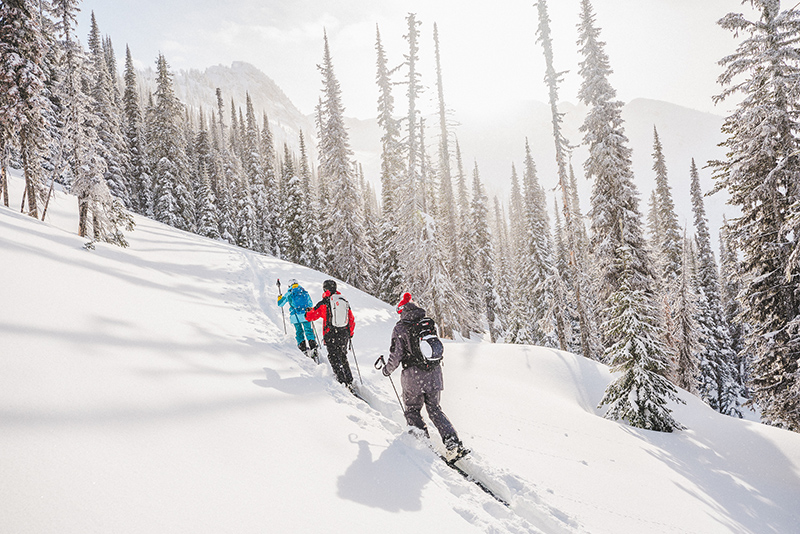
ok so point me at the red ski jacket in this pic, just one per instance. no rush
(320, 311)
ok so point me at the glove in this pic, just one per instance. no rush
(280, 297)
(384, 371)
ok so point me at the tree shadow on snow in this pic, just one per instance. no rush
(393, 482)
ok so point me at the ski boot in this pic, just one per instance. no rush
(455, 450)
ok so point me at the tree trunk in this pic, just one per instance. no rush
(4, 183)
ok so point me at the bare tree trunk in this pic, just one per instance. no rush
(83, 214)
(30, 186)
(4, 182)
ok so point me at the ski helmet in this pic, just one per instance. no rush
(329, 286)
(293, 282)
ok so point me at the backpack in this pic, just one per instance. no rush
(301, 300)
(426, 347)
(337, 311)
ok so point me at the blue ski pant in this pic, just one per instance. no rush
(302, 331)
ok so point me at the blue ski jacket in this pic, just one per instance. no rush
(299, 300)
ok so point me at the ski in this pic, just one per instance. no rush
(470, 478)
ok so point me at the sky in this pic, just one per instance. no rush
(154, 389)
(659, 49)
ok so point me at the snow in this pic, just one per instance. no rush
(153, 389)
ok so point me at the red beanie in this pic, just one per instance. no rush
(405, 300)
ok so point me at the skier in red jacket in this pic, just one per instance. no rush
(338, 325)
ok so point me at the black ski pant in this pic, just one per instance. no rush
(337, 355)
(415, 400)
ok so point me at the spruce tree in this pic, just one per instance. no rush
(687, 343)
(104, 101)
(670, 246)
(140, 183)
(552, 79)
(518, 316)
(639, 393)
(718, 385)
(615, 217)
(484, 255)
(761, 173)
(22, 85)
(350, 258)
(537, 263)
(392, 170)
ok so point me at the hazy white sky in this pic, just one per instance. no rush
(660, 49)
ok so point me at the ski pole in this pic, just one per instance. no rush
(282, 314)
(379, 364)
(314, 328)
(356, 360)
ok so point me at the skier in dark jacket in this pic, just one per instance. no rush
(420, 386)
(335, 338)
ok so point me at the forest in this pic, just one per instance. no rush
(619, 284)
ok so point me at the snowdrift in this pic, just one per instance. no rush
(153, 389)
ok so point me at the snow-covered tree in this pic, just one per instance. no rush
(669, 247)
(552, 79)
(22, 100)
(350, 258)
(104, 101)
(390, 278)
(293, 203)
(687, 344)
(717, 377)
(481, 240)
(615, 217)
(761, 173)
(173, 203)
(639, 394)
(140, 183)
(537, 269)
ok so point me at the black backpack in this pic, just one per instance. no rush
(427, 350)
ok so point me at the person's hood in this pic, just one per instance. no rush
(412, 313)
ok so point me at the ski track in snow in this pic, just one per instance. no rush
(527, 512)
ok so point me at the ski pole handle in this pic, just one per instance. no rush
(380, 362)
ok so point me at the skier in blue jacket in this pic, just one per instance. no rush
(299, 301)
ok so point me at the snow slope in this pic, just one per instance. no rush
(153, 389)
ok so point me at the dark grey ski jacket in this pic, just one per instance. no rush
(414, 379)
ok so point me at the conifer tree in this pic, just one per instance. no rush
(687, 346)
(761, 173)
(552, 79)
(392, 170)
(446, 206)
(503, 275)
(22, 100)
(293, 203)
(104, 101)
(466, 278)
(717, 381)
(349, 255)
(252, 161)
(141, 188)
(615, 216)
(101, 217)
(484, 254)
(668, 230)
(312, 252)
(171, 195)
(729, 290)
(207, 220)
(537, 265)
(518, 319)
(640, 392)
(273, 227)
